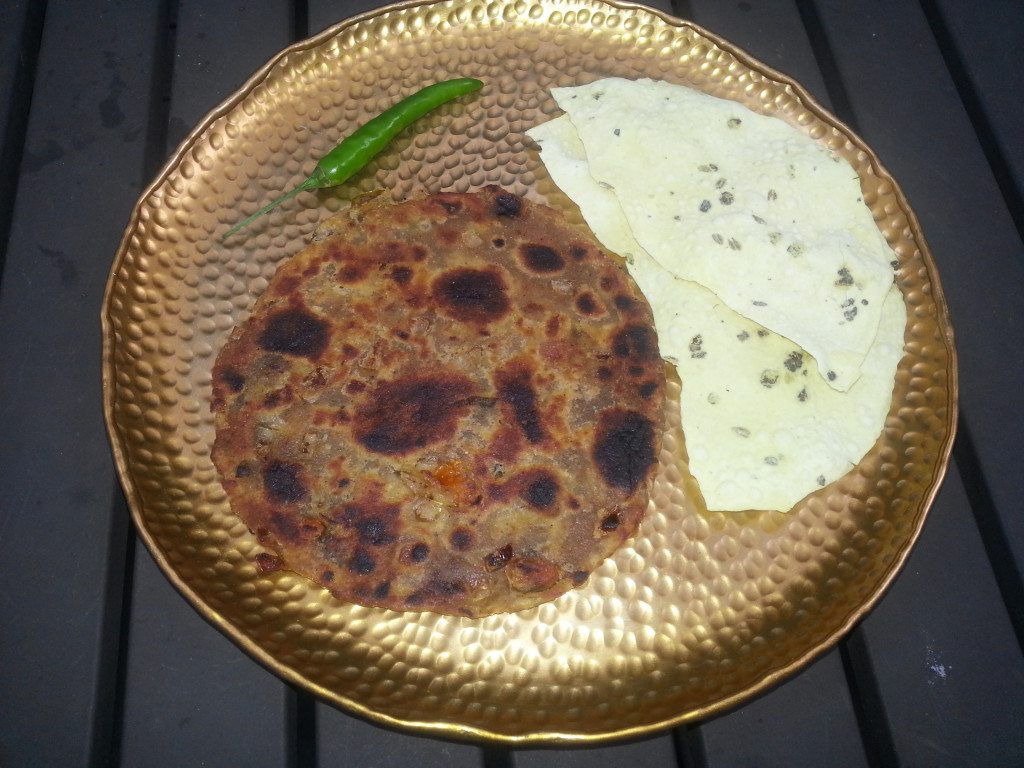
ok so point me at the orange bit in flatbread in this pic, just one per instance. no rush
(454, 479)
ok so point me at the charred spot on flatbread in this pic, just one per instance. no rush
(294, 331)
(624, 448)
(472, 295)
(411, 413)
(282, 482)
(542, 259)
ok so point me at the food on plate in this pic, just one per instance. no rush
(762, 428)
(747, 206)
(450, 404)
(368, 140)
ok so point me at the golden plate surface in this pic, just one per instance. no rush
(698, 611)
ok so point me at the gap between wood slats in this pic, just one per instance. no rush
(993, 537)
(834, 85)
(689, 747)
(17, 119)
(108, 724)
(300, 19)
(160, 98)
(104, 748)
(681, 9)
(951, 55)
(496, 757)
(867, 702)
(301, 725)
(300, 729)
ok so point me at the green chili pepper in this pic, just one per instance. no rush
(352, 154)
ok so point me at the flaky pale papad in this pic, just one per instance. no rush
(762, 427)
(744, 204)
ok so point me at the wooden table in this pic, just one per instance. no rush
(103, 663)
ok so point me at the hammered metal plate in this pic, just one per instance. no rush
(698, 611)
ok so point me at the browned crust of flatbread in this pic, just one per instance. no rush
(449, 404)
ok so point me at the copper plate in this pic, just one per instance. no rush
(694, 614)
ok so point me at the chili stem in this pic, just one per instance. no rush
(309, 183)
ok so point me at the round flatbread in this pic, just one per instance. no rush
(450, 404)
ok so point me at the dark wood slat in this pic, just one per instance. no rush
(346, 740)
(908, 110)
(81, 171)
(808, 720)
(657, 752)
(191, 696)
(987, 55)
(20, 24)
(946, 661)
(13, 17)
